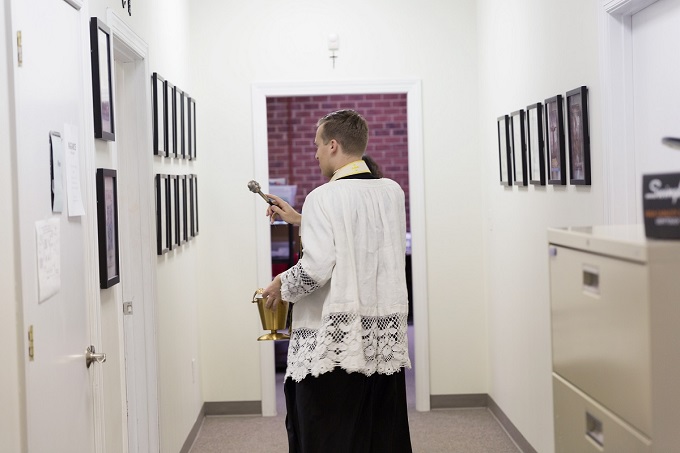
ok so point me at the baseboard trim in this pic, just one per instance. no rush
(194, 431)
(233, 408)
(459, 401)
(473, 400)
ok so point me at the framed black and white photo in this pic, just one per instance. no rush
(107, 227)
(193, 205)
(102, 80)
(504, 158)
(163, 223)
(554, 127)
(535, 144)
(519, 155)
(579, 136)
(160, 116)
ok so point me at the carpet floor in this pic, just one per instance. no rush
(437, 431)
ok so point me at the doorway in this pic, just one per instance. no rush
(412, 90)
(129, 321)
(293, 173)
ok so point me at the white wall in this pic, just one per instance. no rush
(530, 50)
(163, 25)
(237, 43)
(12, 426)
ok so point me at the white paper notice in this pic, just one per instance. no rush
(72, 171)
(47, 247)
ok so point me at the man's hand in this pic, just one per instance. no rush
(283, 210)
(273, 294)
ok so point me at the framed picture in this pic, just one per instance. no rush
(179, 123)
(579, 136)
(173, 214)
(554, 127)
(171, 108)
(191, 127)
(107, 227)
(535, 144)
(186, 129)
(163, 224)
(192, 122)
(181, 226)
(102, 83)
(193, 205)
(502, 127)
(519, 155)
(160, 117)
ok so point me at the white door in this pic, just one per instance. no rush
(49, 93)
(656, 91)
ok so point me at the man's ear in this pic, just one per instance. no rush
(334, 146)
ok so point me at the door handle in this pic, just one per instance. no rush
(92, 356)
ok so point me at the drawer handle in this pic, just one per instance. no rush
(594, 429)
(591, 280)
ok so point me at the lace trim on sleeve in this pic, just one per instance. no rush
(296, 283)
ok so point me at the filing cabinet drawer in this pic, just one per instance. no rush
(600, 325)
(583, 426)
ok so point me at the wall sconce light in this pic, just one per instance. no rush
(333, 46)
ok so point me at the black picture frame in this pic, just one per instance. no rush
(107, 227)
(186, 128)
(182, 230)
(519, 148)
(192, 123)
(193, 205)
(163, 223)
(504, 158)
(179, 123)
(190, 127)
(160, 116)
(554, 143)
(171, 112)
(101, 58)
(535, 144)
(172, 212)
(579, 136)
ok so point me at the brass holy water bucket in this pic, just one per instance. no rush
(271, 320)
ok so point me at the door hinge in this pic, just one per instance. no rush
(31, 351)
(20, 50)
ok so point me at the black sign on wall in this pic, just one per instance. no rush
(661, 205)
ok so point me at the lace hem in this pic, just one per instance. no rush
(296, 283)
(363, 344)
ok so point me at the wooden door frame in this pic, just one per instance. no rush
(412, 88)
(133, 49)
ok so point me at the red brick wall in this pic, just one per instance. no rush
(291, 123)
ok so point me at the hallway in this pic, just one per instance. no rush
(437, 431)
(473, 430)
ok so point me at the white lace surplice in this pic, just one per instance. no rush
(349, 288)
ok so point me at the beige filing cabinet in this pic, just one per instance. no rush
(615, 313)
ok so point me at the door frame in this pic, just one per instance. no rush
(413, 90)
(619, 167)
(128, 44)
